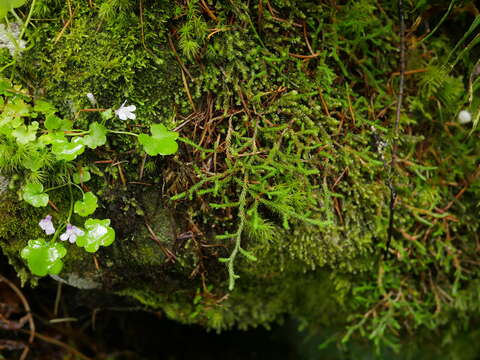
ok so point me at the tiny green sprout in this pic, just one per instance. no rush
(87, 206)
(34, 195)
(97, 233)
(97, 136)
(44, 258)
(162, 141)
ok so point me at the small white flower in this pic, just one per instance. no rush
(464, 117)
(47, 225)
(92, 99)
(126, 112)
(71, 233)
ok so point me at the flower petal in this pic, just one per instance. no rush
(49, 229)
(130, 108)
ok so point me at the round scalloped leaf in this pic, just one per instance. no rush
(150, 146)
(68, 151)
(34, 195)
(97, 136)
(44, 107)
(25, 134)
(162, 141)
(44, 258)
(7, 5)
(82, 176)
(52, 122)
(87, 206)
(34, 162)
(97, 233)
(52, 138)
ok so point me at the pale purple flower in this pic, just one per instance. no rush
(126, 112)
(71, 233)
(92, 99)
(47, 225)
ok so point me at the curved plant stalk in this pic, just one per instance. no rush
(27, 21)
(391, 185)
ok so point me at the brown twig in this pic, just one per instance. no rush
(306, 38)
(207, 10)
(187, 90)
(324, 104)
(171, 256)
(298, 56)
(170, 42)
(59, 343)
(67, 24)
(31, 322)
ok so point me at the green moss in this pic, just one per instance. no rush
(294, 99)
(18, 225)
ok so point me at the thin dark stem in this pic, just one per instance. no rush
(391, 185)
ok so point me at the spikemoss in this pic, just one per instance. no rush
(290, 104)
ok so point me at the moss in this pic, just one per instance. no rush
(294, 101)
(18, 225)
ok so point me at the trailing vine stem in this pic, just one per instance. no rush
(27, 21)
(391, 185)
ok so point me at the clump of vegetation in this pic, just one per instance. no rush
(284, 111)
(34, 149)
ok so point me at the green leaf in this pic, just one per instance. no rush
(82, 176)
(97, 233)
(13, 111)
(87, 206)
(107, 114)
(7, 5)
(43, 258)
(33, 162)
(8, 123)
(66, 125)
(97, 136)
(34, 195)
(53, 122)
(44, 107)
(4, 85)
(68, 151)
(25, 134)
(162, 141)
(51, 138)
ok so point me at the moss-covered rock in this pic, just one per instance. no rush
(285, 111)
